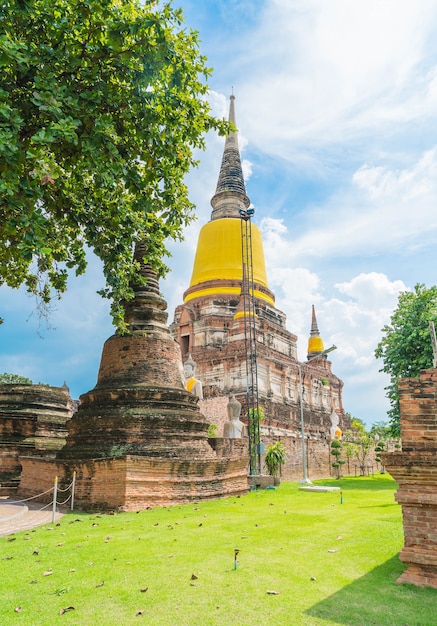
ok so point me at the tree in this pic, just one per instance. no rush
(359, 443)
(9, 379)
(336, 449)
(362, 446)
(380, 447)
(381, 429)
(406, 347)
(357, 425)
(275, 457)
(349, 452)
(102, 103)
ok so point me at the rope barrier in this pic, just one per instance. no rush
(70, 487)
(67, 488)
(65, 501)
(54, 503)
(46, 506)
(31, 498)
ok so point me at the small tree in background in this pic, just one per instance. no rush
(10, 379)
(349, 451)
(363, 445)
(380, 447)
(336, 449)
(360, 443)
(276, 455)
(358, 427)
(381, 429)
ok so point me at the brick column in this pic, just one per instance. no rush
(415, 470)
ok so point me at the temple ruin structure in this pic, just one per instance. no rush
(415, 471)
(138, 438)
(210, 326)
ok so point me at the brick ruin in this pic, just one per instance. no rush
(415, 471)
(210, 326)
(32, 421)
(138, 438)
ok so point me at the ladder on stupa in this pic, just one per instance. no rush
(248, 293)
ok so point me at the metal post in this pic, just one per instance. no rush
(55, 496)
(73, 484)
(304, 480)
(249, 310)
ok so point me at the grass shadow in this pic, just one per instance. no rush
(376, 599)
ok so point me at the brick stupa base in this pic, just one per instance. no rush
(415, 470)
(138, 438)
(132, 483)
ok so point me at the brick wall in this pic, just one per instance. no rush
(132, 483)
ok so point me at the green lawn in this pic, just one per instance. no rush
(328, 562)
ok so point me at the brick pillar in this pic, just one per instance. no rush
(415, 470)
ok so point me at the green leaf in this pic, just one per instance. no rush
(102, 105)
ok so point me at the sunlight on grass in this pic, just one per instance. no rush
(305, 559)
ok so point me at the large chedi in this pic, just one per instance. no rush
(210, 324)
(138, 438)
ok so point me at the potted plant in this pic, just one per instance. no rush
(274, 459)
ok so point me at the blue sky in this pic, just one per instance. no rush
(336, 105)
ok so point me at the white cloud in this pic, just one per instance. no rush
(372, 290)
(381, 208)
(331, 72)
(417, 183)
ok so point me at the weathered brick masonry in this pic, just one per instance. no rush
(138, 438)
(415, 470)
(32, 420)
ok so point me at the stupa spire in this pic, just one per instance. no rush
(230, 194)
(218, 264)
(147, 310)
(315, 342)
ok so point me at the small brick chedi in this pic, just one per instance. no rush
(138, 438)
(415, 470)
(32, 421)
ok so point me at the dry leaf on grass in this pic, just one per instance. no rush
(273, 593)
(67, 608)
